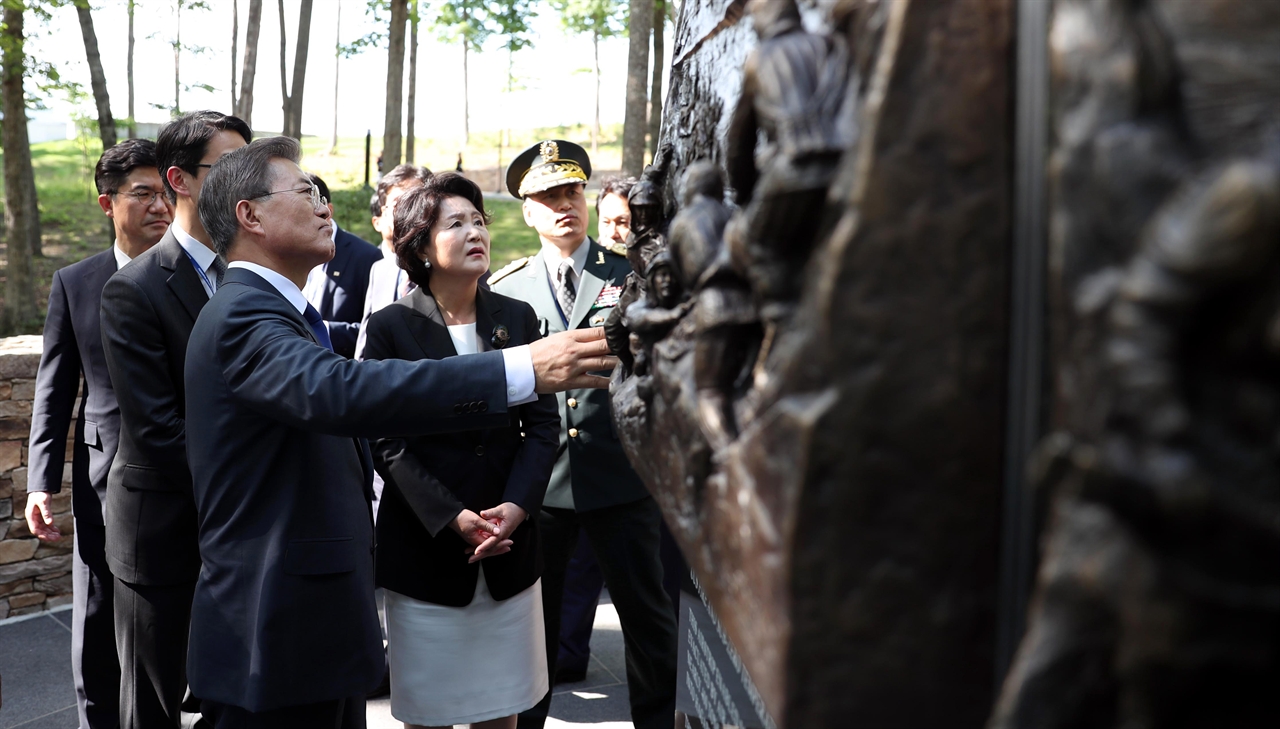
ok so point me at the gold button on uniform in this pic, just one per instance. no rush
(573, 432)
(572, 402)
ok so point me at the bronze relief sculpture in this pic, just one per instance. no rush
(817, 355)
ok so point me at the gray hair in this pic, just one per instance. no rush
(244, 174)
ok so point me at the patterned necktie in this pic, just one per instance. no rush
(564, 287)
(317, 326)
(406, 286)
(219, 268)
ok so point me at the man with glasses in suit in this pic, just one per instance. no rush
(131, 195)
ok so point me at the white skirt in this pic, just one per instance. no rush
(459, 665)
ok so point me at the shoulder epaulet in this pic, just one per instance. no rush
(617, 249)
(509, 269)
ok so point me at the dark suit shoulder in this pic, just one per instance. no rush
(89, 266)
(359, 246)
(155, 264)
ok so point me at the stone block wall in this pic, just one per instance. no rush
(34, 575)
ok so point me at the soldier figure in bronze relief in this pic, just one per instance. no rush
(793, 89)
(726, 324)
(653, 316)
(645, 241)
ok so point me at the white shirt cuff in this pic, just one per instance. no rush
(520, 379)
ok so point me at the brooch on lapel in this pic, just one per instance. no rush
(500, 337)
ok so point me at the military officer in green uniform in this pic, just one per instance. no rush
(573, 282)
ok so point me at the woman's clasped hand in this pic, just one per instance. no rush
(488, 533)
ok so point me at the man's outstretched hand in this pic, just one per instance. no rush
(561, 361)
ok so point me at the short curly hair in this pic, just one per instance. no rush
(417, 212)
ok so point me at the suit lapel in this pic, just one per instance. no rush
(540, 295)
(430, 334)
(488, 310)
(595, 274)
(341, 252)
(183, 281)
(253, 280)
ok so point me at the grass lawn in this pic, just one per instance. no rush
(73, 227)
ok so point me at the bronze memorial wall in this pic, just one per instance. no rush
(933, 293)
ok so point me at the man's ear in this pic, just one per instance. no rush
(248, 219)
(177, 179)
(524, 208)
(104, 202)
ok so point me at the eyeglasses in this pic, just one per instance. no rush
(146, 198)
(317, 200)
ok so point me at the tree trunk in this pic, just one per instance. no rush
(395, 86)
(293, 115)
(413, 85)
(337, 60)
(106, 123)
(636, 121)
(655, 91)
(284, 79)
(466, 93)
(133, 122)
(20, 297)
(177, 59)
(235, 39)
(595, 123)
(244, 107)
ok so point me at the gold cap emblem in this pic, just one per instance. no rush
(549, 151)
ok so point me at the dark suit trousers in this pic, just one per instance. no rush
(94, 665)
(582, 585)
(337, 714)
(625, 539)
(152, 626)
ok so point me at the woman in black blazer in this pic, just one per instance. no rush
(458, 550)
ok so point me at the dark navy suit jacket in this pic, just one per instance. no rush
(347, 277)
(430, 479)
(72, 346)
(148, 310)
(284, 612)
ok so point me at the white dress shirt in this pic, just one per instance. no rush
(517, 361)
(203, 255)
(121, 257)
(552, 257)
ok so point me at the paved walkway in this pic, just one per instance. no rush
(35, 679)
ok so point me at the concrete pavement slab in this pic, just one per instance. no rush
(35, 667)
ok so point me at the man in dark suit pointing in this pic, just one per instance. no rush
(284, 631)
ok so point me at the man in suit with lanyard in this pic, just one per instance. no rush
(148, 310)
(131, 194)
(337, 288)
(573, 283)
(284, 631)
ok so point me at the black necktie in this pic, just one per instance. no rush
(317, 325)
(219, 268)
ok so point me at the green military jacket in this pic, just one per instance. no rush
(591, 471)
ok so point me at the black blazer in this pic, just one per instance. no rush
(431, 479)
(283, 612)
(148, 309)
(347, 277)
(72, 347)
